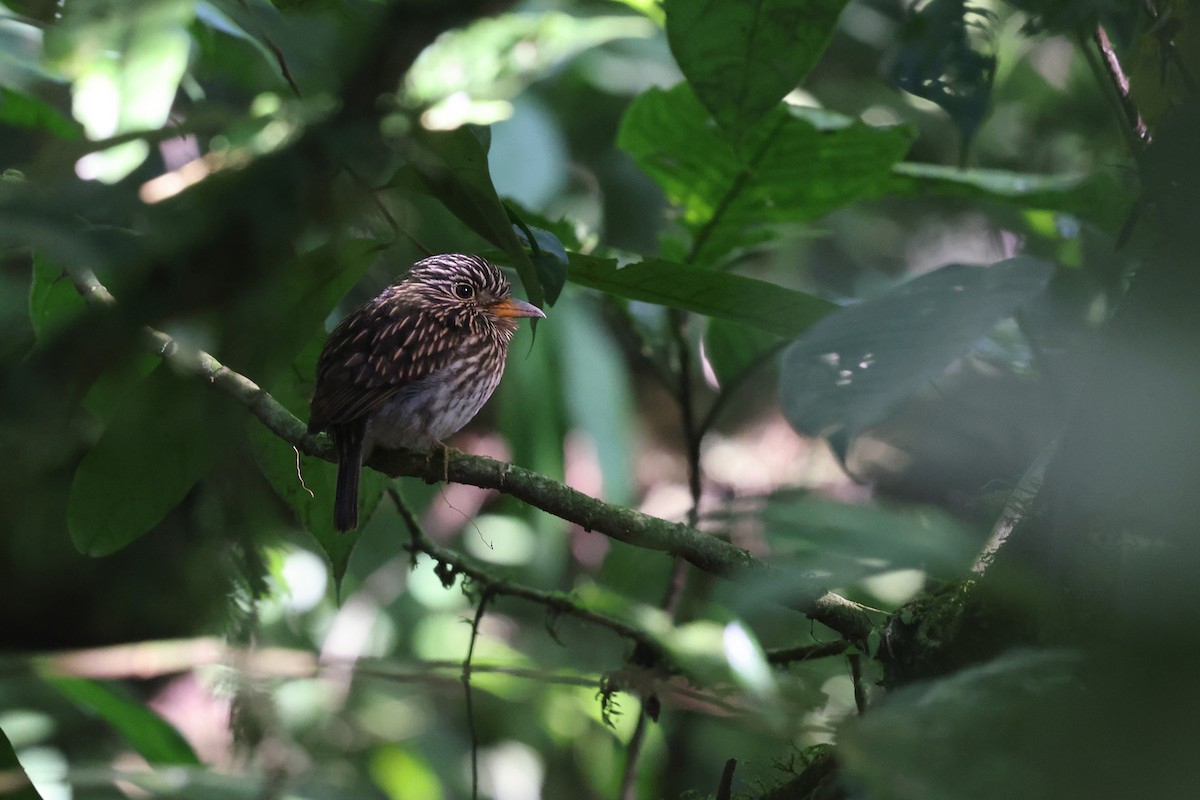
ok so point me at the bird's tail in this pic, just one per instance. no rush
(348, 441)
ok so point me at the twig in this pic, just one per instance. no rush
(466, 682)
(556, 603)
(856, 677)
(1016, 508)
(1120, 84)
(725, 789)
(634, 749)
(807, 652)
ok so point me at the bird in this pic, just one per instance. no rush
(413, 365)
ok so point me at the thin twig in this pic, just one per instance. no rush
(808, 652)
(553, 602)
(725, 789)
(276, 51)
(634, 750)
(466, 682)
(1016, 508)
(856, 677)
(1120, 84)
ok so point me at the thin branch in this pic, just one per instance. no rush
(856, 677)
(277, 51)
(1120, 84)
(725, 789)
(556, 603)
(1016, 508)
(808, 652)
(466, 682)
(634, 748)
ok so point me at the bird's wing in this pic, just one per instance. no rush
(378, 350)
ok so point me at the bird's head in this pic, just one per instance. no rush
(467, 292)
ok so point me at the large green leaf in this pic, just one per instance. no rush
(742, 56)
(14, 783)
(148, 458)
(452, 166)
(854, 367)
(997, 730)
(1097, 197)
(54, 302)
(795, 165)
(818, 544)
(155, 739)
(270, 326)
(29, 112)
(758, 304)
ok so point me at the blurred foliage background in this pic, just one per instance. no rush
(898, 297)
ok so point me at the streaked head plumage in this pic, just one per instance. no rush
(467, 291)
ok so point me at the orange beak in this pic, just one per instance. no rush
(516, 308)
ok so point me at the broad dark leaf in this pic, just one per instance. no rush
(742, 56)
(154, 739)
(795, 165)
(24, 111)
(1098, 197)
(54, 303)
(153, 451)
(758, 304)
(818, 545)
(453, 168)
(997, 730)
(942, 59)
(854, 367)
(547, 253)
(274, 323)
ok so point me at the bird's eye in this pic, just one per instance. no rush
(464, 290)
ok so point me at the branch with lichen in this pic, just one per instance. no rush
(706, 552)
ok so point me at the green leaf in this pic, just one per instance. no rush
(24, 111)
(148, 458)
(742, 56)
(794, 166)
(997, 730)
(547, 253)
(941, 59)
(732, 349)
(307, 484)
(14, 783)
(276, 322)
(150, 735)
(757, 304)
(452, 166)
(54, 303)
(1097, 197)
(854, 367)
(818, 544)
(234, 19)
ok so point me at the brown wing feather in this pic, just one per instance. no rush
(380, 349)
